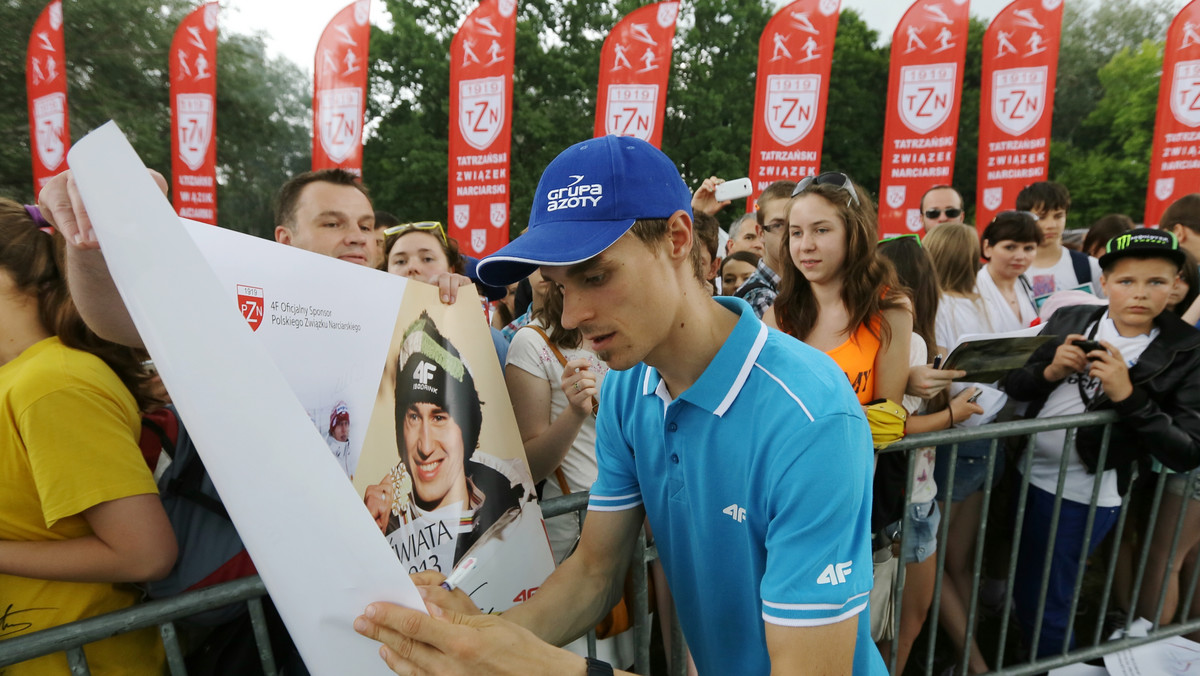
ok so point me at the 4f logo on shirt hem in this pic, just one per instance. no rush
(834, 573)
(738, 513)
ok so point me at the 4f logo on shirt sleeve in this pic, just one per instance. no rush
(738, 513)
(835, 573)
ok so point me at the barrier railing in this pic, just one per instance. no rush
(1009, 655)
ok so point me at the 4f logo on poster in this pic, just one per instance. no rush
(1185, 93)
(481, 110)
(791, 106)
(631, 109)
(1018, 98)
(49, 115)
(195, 113)
(926, 95)
(250, 302)
(341, 122)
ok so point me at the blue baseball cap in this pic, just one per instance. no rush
(491, 293)
(588, 197)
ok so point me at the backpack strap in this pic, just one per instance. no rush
(561, 360)
(1083, 268)
(188, 480)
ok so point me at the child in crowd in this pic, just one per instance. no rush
(80, 516)
(736, 268)
(1056, 268)
(1142, 362)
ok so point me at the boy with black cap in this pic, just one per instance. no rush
(746, 449)
(1143, 363)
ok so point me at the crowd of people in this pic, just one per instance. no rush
(727, 400)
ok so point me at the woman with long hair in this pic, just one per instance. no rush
(839, 295)
(80, 516)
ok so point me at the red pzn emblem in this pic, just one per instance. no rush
(250, 300)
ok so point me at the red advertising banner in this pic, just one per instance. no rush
(340, 89)
(924, 92)
(1175, 158)
(481, 75)
(194, 115)
(1020, 67)
(46, 88)
(795, 54)
(634, 66)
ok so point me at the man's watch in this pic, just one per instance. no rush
(597, 668)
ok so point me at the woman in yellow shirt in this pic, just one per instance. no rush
(80, 516)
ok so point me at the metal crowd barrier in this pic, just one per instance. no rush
(164, 613)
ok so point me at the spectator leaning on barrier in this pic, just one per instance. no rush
(701, 391)
(1146, 368)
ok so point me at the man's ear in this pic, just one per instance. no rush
(680, 234)
(1182, 232)
(283, 234)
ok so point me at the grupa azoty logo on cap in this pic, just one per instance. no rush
(576, 194)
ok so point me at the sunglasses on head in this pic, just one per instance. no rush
(833, 178)
(950, 213)
(422, 226)
(912, 235)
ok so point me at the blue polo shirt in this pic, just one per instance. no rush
(757, 483)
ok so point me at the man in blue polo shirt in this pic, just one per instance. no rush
(745, 448)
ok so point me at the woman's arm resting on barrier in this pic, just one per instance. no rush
(824, 649)
(132, 542)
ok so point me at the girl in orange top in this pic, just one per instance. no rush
(839, 295)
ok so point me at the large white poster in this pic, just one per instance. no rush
(294, 371)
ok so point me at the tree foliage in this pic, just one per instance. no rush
(116, 56)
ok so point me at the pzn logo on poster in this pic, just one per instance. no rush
(250, 302)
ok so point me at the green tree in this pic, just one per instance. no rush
(856, 107)
(1109, 175)
(117, 69)
(1092, 34)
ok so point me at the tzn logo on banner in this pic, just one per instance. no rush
(791, 107)
(462, 215)
(49, 113)
(481, 110)
(498, 214)
(340, 121)
(926, 95)
(1018, 98)
(631, 110)
(993, 198)
(195, 112)
(1185, 93)
(896, 195)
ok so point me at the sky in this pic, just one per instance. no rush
(292, 27)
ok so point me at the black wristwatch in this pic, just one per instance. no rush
(597, 668)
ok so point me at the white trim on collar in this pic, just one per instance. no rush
(751, 356)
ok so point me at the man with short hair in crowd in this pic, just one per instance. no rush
(744, 236)
(941, 204)
(383, 221)
(771, 223)
(327, 212)
(745, 449)
(1055, 267)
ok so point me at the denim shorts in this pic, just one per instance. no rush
(919, 542)
(1178, 483)
(970, 470)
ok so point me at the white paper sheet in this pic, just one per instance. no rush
(315, 545)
